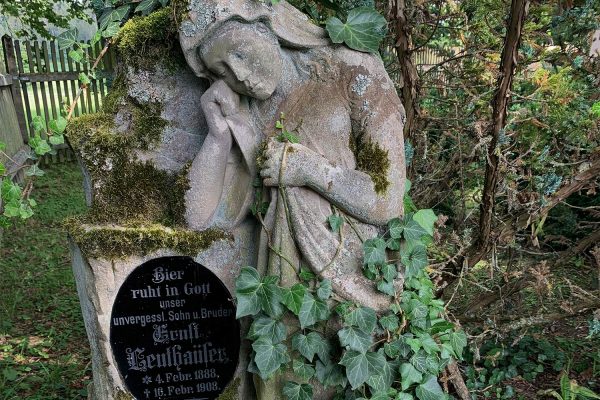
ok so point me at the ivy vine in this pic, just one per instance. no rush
(395, 355)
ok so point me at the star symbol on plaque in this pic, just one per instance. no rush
(146, 380)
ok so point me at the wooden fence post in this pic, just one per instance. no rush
(13, 72)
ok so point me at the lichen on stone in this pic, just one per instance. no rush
(144, 42)
(361, 85)
(373, 160)
(112, 241)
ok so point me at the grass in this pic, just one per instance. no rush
(44, 352)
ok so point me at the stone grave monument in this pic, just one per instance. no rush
(188, 181)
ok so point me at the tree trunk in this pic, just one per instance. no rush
(500, 104)
(403, 46)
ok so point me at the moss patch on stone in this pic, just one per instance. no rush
(372, 159)
(125, 189)
(122, 241)
(123, 395)
(144, 42)
(115, 96)
(231, 391)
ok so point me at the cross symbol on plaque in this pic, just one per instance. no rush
(147, 393)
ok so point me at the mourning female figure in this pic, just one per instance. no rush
(268, 64)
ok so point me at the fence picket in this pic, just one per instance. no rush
(53, 48)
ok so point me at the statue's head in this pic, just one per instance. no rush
(245, 56)
(239, 41)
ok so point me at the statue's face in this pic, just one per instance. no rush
(247, 58)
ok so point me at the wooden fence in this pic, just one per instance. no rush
(44, 79)
(426, 61)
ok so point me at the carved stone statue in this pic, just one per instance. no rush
(269, 64)
(270, 71)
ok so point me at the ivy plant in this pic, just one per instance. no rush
(397, 354)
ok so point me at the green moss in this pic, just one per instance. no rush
(115, 96)
(144, 42)
(126, 189)
(122, 395)
(231, 391)
(147, 124)
(122, 241)
(372, 159)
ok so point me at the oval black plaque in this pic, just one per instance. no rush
(173, 331)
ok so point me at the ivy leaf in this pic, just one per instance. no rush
(374, 250)
(389, 322)
(254, 294)
(404, 396)
(56, 139)
(111, 30)
(324, 290)
(269, 328)
(34, 170)
(412, 230)
(413, 256)
(363, 31)
(2, 169)
(113, 15)
(40, 146)
(296, 391)
(312, 311)
(146, 6)
(419, 361)
(386, 287)
(84, 79)
(269, 356)
(389, 272)
(335, 222)
(458, 341)
(292, 297)
(429, 345)
(430, 390)
(441, 327)
(426, 218)
(382, 381)
(396, 226)
(38, 124)
(76, 55)
(409, 375)
(311, 344)
(246, 286)
(330, 374)
(269, 297)
(418, 310)
(363, 317)
(67, 39)
(355, 339)
(396, 349)
(302, 370)
(359, 366)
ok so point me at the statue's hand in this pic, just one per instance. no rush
(290, 169)
(219, 102)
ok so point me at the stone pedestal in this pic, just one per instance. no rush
(98, 282)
